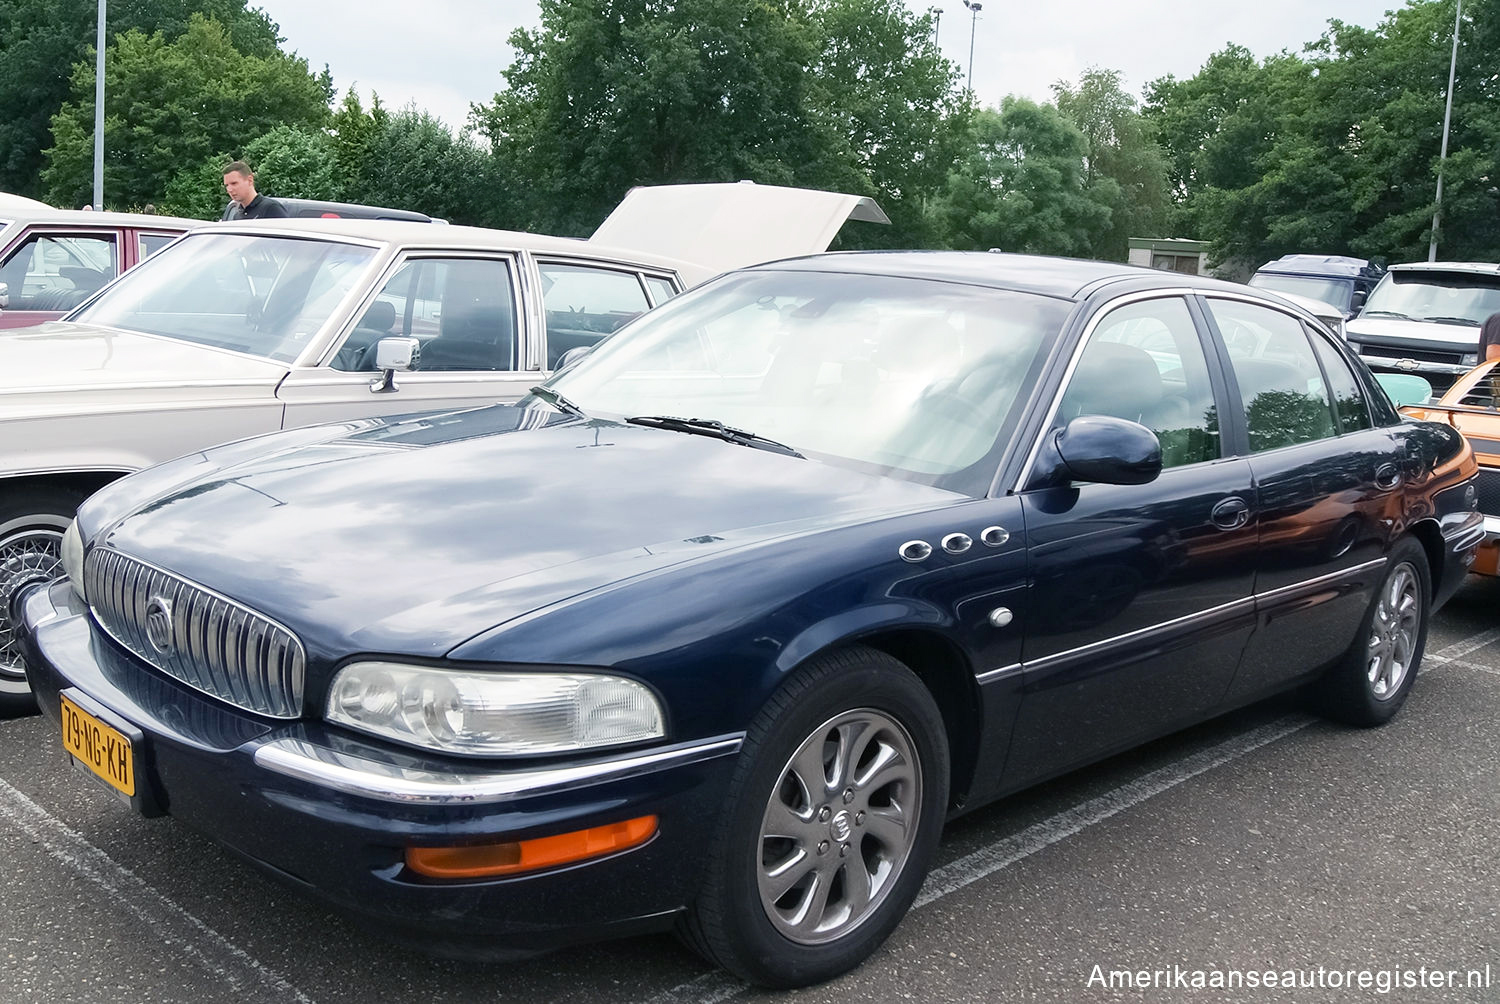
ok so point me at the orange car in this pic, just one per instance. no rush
(1472, 406)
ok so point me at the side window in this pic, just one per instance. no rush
(585, 303)
(662, 290)
(152, 243)
(1281, 387)
(1144, 362)
(1350, 406)
(58, 271)
(462, 310)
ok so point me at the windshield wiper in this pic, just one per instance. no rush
(716, 429)
(1386, 313)
(557, 401)
(1440, 319)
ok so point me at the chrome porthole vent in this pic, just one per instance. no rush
(957, 543)
(994, 536)
(915, 550)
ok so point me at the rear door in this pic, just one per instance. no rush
(1328, 487)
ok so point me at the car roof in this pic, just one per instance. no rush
(425, 235)
(1485, 267)
(1319, 264)
(46, 215)
(1068, 278)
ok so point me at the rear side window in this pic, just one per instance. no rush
(1351, 407)
(584, 303)
(1281, 386)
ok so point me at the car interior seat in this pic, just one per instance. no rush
(477, 326)
(1279, 410)
(1118, 380)
(375, 324)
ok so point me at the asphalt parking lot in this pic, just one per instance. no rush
(1359, 862)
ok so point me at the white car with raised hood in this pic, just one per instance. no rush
(241, 329)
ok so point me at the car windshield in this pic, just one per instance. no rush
(267, 296)
(1451, 297)
(1334, 291)
(910, 377)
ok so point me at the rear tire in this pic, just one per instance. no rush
(830, 826)
(32, 521)
(1372, 680)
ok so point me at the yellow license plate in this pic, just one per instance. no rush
(105, 751)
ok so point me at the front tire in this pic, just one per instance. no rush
(32, 522)
(1371, 682)
(831, 823)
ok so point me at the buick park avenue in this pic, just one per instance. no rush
(715, 629)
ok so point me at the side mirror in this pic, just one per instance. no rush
(1109, 451)
(392, 354)
(4, 296)
(1404, 388)
(571, 356)
(1358, 300)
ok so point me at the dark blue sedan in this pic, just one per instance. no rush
(718, 627)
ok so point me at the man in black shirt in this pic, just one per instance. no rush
(245, 203)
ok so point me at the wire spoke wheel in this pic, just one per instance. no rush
(26, 555)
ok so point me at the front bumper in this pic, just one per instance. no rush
(333, 814)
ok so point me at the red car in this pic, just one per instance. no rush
(51, 260)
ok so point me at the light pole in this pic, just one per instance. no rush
(1437, 210)
(99, 111)
(937, 22)
(974, 8)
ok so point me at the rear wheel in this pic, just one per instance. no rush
(831, 824)
(1369, 685)
(32, 522)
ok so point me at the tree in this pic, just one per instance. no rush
(883, 92)
(416, 163)
(41, 42)
(608, 94)
(171, 103)
(1123, 167)
(1022, 186)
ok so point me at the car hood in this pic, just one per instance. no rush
(38, 363)
(731, 225)
(1385, 329)
(411, 537)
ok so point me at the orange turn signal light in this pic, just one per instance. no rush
(486, 860)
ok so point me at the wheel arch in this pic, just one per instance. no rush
(946, 673)
(1427, 533)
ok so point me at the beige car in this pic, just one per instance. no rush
(239, 329)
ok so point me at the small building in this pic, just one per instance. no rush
(1170, 254)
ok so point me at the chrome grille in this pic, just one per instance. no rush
(210, 643)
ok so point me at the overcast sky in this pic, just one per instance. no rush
(445, 54)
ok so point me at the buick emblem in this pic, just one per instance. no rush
(159, 624)
(840, 826)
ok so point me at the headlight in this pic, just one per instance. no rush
(493, 714)
(72, 558)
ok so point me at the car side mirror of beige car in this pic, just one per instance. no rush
(392, 354)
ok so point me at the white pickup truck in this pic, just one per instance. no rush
(240, 329)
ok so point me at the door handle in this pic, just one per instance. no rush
(1387, 477)
(1231, 513)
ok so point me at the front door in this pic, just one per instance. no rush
(1141, 594)
(463, 312)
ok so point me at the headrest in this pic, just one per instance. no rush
(379, 317)
(1114, 379)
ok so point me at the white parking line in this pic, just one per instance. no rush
(712, 988)
(170, 923)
